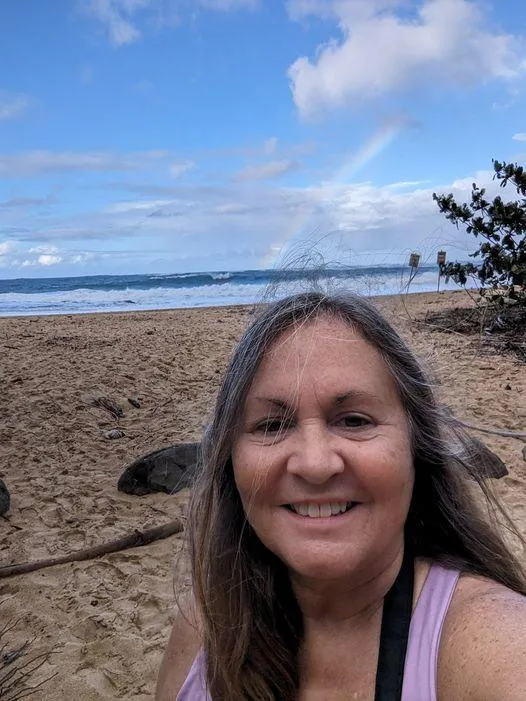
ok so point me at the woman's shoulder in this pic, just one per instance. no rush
(483, 642)
(183, 646)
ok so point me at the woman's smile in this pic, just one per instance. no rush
(320, 510)
(323, 518)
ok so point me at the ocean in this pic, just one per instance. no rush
(105, 293)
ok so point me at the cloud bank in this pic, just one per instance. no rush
(383, 47)
(202, 226)
(124, 20)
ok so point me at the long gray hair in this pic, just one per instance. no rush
(252, 627)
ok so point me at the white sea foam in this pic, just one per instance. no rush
(226, 293)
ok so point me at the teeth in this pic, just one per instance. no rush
(313, 510)
(325, 510)
(322, 510)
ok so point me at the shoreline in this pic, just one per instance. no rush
(241, 306)
(51, 296)
(107, 620)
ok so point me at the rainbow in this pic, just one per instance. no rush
(351, 165)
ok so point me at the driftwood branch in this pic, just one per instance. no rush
(132, 540)
(494, 431)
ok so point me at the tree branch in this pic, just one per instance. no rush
(132, 540)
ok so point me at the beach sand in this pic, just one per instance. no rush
(108, 619)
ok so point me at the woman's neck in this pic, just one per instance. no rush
(351, 600)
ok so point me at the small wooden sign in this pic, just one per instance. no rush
(414, 260)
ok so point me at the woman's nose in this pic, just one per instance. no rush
(314, 457)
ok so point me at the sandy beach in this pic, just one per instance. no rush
(107, 620)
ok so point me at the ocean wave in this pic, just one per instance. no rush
(218, 293)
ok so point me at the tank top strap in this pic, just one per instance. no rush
(421, 663)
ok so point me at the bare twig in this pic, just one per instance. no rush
(17, 667)
(13, 685)
(442, 328)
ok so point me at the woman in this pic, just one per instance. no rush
(337, 550)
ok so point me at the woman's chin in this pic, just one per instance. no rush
(325, 568)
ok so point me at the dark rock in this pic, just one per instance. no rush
(5, 499)
(491, 466)
(524, 453)
(134, 402)
(166, 470)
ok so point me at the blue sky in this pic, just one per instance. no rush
(181, 135)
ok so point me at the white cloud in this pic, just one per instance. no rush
(26, 202)
(48, 250)
(245, 225)
(270, 146)
(116, 16)
(444, 43)
(82, 258)
(267, 171)
(227, 5)
(33, 162)
(13, 106)
(123, 19)
(354, 10)
(13, 255)
(135, 206)
(6, 247)
(48, 259)
(519, 137)
(178, 169)
(229, 208)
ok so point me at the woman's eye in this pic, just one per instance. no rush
(271, 426)
(354, 421)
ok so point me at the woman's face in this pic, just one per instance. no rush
(323, 459)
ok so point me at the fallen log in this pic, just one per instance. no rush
(132, 540)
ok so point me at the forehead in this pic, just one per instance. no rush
(326, 353)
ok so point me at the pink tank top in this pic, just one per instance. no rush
(420, 670)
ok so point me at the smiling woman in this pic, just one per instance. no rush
(337, 548)
(323, 424)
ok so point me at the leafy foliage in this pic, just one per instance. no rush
(501, 227)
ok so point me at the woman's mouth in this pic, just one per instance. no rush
(324, 510)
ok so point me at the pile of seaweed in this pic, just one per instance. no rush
(495, 328)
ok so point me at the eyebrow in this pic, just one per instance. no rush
(278, 403)
(352, 394)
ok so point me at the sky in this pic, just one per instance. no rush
(141, 136)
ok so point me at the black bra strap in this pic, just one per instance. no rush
(396, 619)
